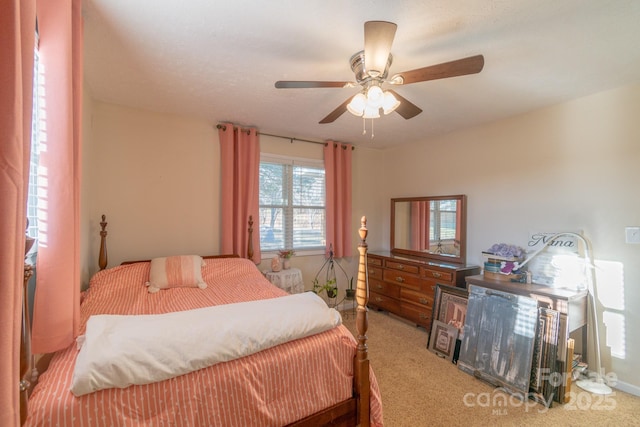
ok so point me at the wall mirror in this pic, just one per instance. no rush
(430, 227)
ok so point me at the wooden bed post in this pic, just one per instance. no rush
(102, 259)
(361, 368)
(250, 242)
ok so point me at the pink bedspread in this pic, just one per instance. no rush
(272, 388)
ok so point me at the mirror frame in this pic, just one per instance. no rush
(462, 204)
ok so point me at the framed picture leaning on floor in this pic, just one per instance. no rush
(443, 339)
(450, 308)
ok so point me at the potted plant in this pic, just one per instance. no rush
(330, 287)
(330, 284)
(351, 293)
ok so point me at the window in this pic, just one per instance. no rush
(443, 220)
(32, 195)
(292, 204)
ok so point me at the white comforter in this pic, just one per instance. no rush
(118, 351)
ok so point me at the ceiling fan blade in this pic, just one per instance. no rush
(406, 109)
(378, 38)
(284, 84)
(337, 112)
(460, 67)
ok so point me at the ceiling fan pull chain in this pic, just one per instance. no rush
(372, 135)
(364, 126)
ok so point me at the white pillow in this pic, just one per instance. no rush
(176, 271)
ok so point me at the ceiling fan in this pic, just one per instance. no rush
(371, 69)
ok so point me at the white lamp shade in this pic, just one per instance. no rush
(390, 103)
(375, 97)
(371, 112)
(357, 105)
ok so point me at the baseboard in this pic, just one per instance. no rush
(628, 388)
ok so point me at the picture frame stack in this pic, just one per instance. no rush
(447, 321)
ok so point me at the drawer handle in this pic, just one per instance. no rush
(433, 288)
(424, 301)
(399, 279)
(378, 286)
(378, 299)
(436, 274)
(400, 267)
(372, 273)
(423, 316)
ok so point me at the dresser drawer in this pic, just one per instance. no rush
(402, 278)
(441, 276)
(374, 272)
(417, 314)
(428, 287)
(413, 269)
(384, 302)
(374, 261)
(385, 288)
(407, 295)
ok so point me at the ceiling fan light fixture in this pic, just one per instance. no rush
(357, 105)
(390, 103)
(371, 112)
(375, 96)
(378, 37)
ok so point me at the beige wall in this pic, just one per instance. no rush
(569, 167)
(155, 178)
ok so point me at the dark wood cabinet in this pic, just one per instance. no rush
(405, 286)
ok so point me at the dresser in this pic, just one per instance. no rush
(405, 285)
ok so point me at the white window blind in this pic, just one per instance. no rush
(32, 195)
(292, 203)
(443, 220)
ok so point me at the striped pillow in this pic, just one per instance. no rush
(176, 271)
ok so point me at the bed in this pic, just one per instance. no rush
(319, 378)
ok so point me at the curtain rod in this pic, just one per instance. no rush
(291, 139)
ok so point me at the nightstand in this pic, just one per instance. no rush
(289, 280)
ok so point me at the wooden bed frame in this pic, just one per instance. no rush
(352, 412)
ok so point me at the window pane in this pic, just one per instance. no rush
(308, 186)
(292, 205)
(309, 228)
(448, 225)
(272, 183)
(271, 229)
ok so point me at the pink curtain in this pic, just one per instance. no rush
(57, 299)
(337, 164)
(420, 219)
(17, 33)
(240, 170)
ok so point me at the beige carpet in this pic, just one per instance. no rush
(420, 389)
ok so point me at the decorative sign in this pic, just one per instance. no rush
(556, 262)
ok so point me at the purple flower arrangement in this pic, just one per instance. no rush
(505, 250)
(503, 258)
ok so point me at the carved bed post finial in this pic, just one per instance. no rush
(102, 259)
(250, 242)
(362, 324)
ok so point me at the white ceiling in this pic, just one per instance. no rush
(219, 60)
